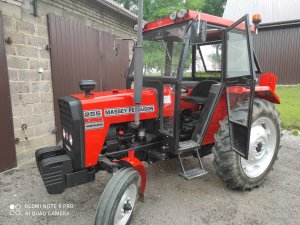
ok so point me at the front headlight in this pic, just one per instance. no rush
(172, 16)
(181, 13)
(71, 139)
(64, 133)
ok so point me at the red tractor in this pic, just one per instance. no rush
(193, 91)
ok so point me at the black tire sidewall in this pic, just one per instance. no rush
(132, 179)
(112, 195)
(228, 163)
(260, 178)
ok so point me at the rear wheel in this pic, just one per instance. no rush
(118, 199)
(238, 172)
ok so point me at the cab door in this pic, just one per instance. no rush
(239, 75)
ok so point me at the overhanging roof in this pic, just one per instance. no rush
(118, 8)
(280, 25)
(272, 11)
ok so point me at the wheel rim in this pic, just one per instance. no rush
(261, 148)
(126, 205)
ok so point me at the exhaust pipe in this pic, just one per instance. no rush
(138, 65)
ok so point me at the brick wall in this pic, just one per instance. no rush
(29, 65)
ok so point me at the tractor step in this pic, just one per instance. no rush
(194, 172)
(186, 146)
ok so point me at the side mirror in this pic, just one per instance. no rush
(198, 32)
(87, 86)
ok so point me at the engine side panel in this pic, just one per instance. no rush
(104, 109)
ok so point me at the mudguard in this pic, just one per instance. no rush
(139, 167)
(266, 88)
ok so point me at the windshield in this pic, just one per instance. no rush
(162, 50)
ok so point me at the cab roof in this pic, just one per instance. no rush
(192, 15)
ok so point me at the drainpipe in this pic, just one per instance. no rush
(138, 65)
(35, 8)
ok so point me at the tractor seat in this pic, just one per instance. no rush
(200, 92)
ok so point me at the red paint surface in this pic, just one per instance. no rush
(263, 92)
(266, 88)
(188, 105)
(192, 15)
(139, 167)
(94, 139)
(219, 115)
(268, 79)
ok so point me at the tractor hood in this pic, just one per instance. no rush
(119, 104)
(103, 109)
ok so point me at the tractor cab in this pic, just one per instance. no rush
(190, 59)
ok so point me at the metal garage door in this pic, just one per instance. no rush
(7, 149)
(79, 53)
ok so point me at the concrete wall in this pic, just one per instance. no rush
(29, 63)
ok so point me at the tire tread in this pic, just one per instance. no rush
(110, 195)
(226, 161)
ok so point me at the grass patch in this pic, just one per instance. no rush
(296, 132)
(290, 106)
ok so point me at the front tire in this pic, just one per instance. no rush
(118, 199)
(234, 170)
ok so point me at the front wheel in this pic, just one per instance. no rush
(238, 172)
(118, 199)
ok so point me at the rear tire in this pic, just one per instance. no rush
(118, 199)
(234, 170)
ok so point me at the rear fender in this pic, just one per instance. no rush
(135, 163)
(266, 88)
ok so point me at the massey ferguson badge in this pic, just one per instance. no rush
(127, 110)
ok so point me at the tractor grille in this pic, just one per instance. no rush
(72, 122)
(65, 115)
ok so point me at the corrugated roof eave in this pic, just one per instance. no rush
(117, 8)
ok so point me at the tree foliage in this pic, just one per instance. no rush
(154, 9)
(154, 58)
(214, 7)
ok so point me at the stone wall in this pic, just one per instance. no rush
(29, 65)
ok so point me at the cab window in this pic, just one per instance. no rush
(208, 60)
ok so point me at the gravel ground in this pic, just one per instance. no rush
(169, 198)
